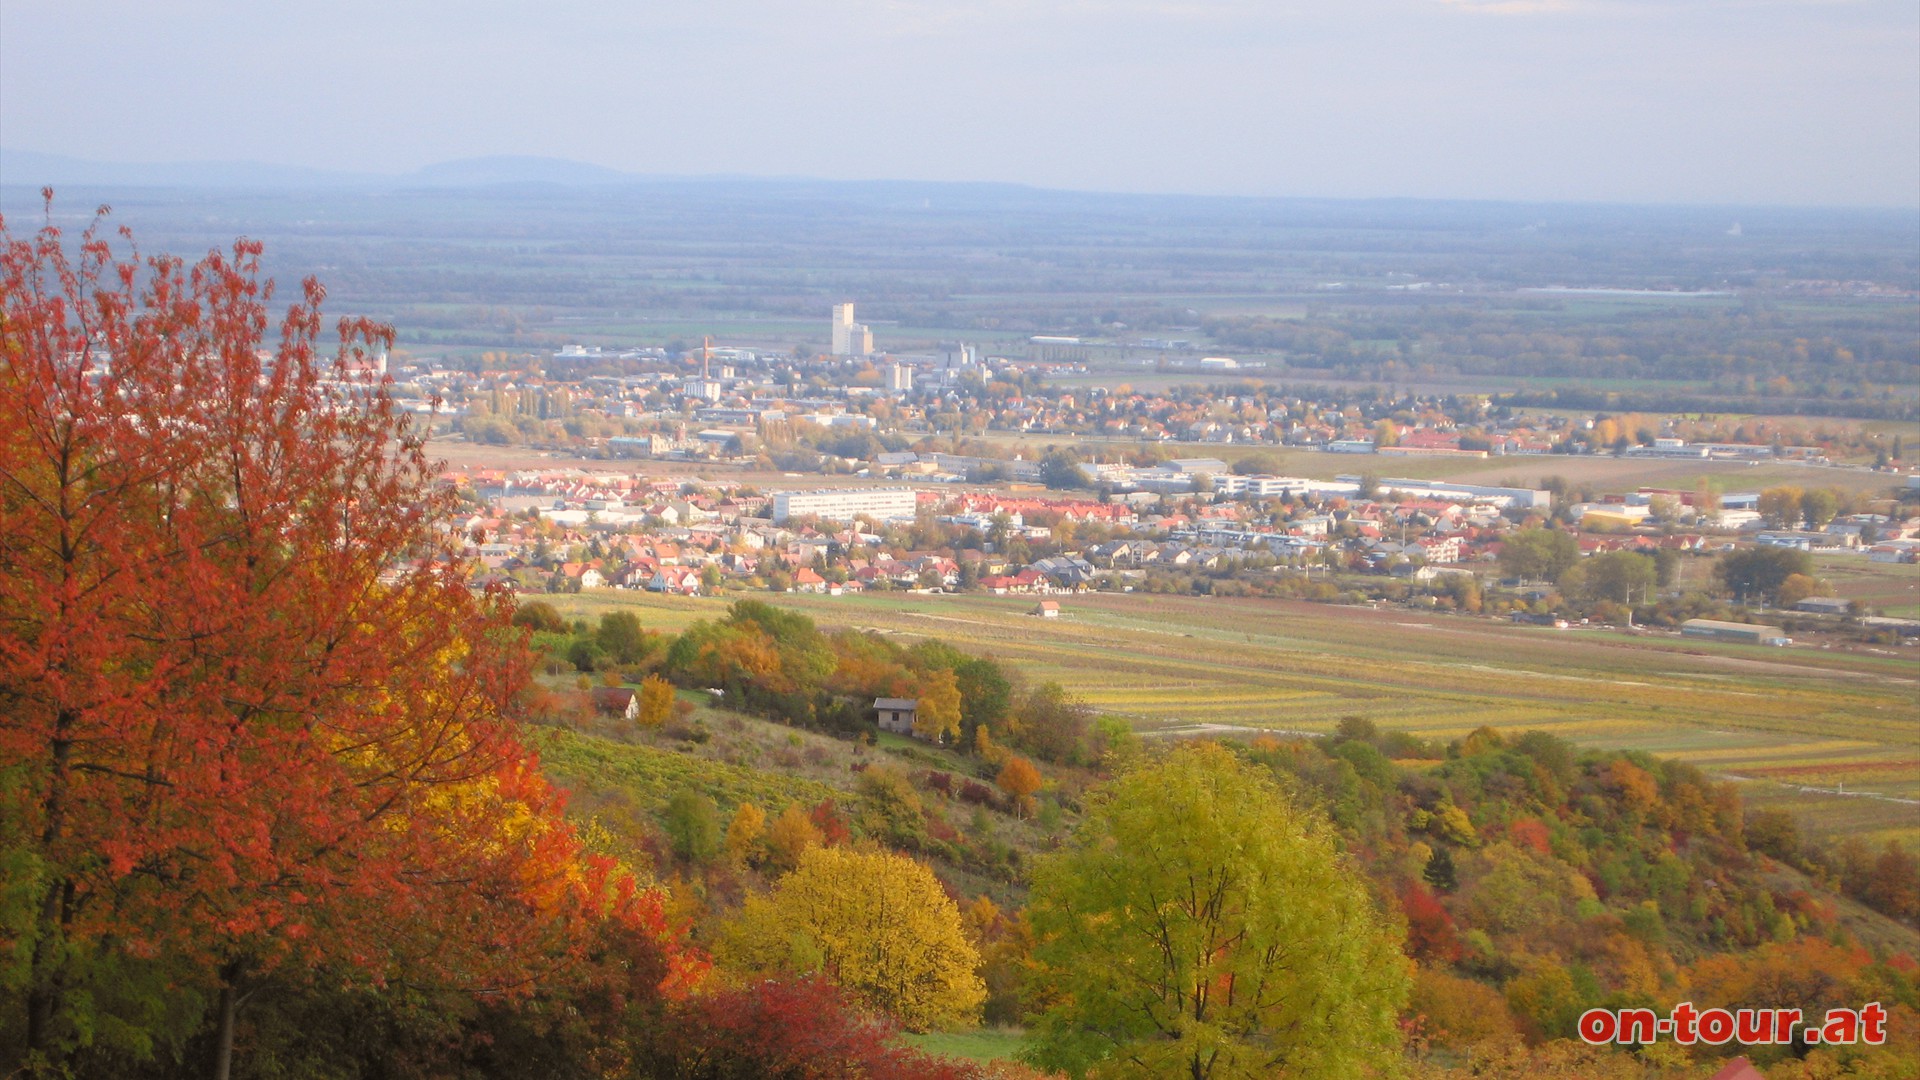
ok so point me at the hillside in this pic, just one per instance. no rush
(1534, 878)
(1796, 726)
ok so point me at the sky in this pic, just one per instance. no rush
(1783, 102)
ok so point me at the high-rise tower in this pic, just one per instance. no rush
(849, 338)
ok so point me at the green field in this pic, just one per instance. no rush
(1793, 723)
(981, 1044)
(1890, 588)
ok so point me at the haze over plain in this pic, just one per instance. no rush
(1721, 101)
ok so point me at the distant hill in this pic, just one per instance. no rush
(509, 169)
(30, 168)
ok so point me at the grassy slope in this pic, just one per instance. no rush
(597, 765)
(984, 1044)
(609, 768)
(1804, 718)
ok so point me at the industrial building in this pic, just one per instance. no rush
(850, 338)
(880, 504)
(1745, 633)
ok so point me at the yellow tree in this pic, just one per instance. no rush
(939, 716)
(878, 924)
(656, 701)
(1019, 779)
(1795, 588)
(983, 746)
(744, 831)
(1781, 506)
(791, 836)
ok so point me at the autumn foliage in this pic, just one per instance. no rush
(876, 923)
(1019, 779)
(796, 1029)
(656, 702)
(257, 725)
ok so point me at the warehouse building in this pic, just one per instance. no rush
(1745, 633)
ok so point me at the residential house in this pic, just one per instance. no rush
(675, 579)
(896, 714)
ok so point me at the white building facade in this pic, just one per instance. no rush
(880, 504)
(849, 338)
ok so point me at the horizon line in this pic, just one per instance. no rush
(424, 178)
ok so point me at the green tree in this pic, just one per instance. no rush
(1818, 506)
(986, 695)
(693, 826)
(1666, 566)
(1053, 724)
(539, 616)
(621, 637)
(1620, 576)
(585, 654)
(1538, 554)
(1757, 573)
(889, 807)
(1201, 924)
(1061, 469)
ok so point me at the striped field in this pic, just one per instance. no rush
(1835, 735)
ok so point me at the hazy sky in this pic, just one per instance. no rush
(1740, 101)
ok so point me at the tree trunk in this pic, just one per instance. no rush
(43, 988)
(223, 1040)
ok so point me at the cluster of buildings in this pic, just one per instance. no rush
(712, 402)
(569, 530)
(1879, 537)
(720, 402)
(1186, 514)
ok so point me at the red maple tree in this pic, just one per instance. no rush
(256, 721)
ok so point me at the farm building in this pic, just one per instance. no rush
(896, 714)
(1749, 633)
(616, 701)
(1824, 605)
(1047, 609)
